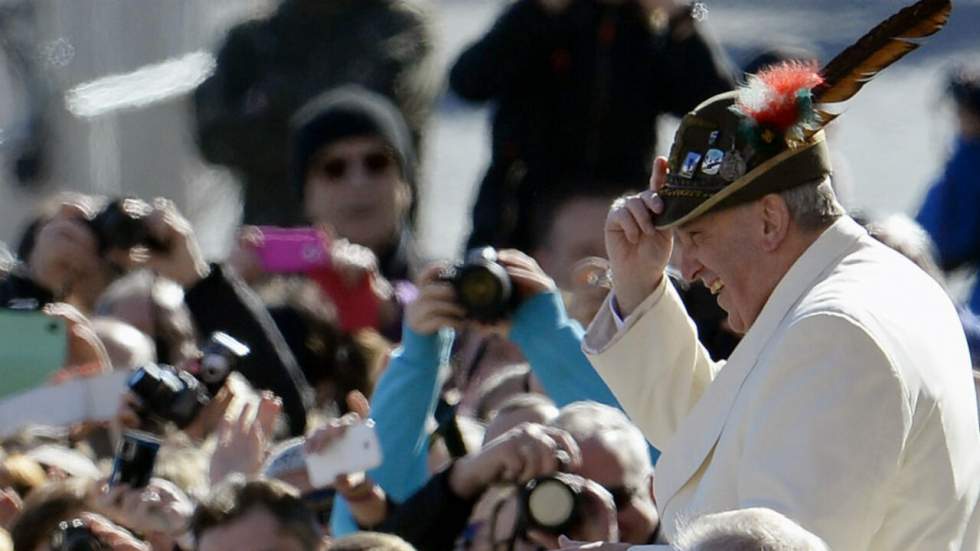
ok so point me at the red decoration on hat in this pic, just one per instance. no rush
(777, 97)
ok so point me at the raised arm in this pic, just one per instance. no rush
(642, 342)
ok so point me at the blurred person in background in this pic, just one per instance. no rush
(68, 248)
(64, 501)
(268, 68)
(903, 234)
(352, 163)
(128, 347)
(949, 211)
(577, 87)
(755, 529)
(334, 361)
(615, 454)
(255, 515)
(571, 249)
(155, 306)
(405, 398)
(369, 541)
(570, 228)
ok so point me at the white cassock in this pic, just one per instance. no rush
(848, 406)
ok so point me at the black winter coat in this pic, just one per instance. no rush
(577, 98)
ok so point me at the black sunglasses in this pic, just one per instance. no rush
(375, 163)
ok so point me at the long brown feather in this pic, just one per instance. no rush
(879, 48)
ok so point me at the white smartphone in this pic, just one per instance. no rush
(357, 450)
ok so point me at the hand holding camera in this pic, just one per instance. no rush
(65, 251)
(566, 504)
(521, 454)
(91, 532)
(486, 288)
(436, 306)
(176, 254)
(179, 395)
(79, 249)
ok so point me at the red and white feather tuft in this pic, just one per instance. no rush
(771, 97)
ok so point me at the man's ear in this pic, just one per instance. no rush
(776, 220)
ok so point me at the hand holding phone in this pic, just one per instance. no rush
(33, 347)
(352, 446)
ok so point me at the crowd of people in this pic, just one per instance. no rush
(694, 353)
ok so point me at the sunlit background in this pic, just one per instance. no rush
(131, 133)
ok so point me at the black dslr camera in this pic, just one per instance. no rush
(73, 535)
(482, 286)
(550, 505)
(121, 225)
(178, 395)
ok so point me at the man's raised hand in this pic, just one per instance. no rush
(638, 251)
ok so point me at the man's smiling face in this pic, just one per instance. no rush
(723, 250)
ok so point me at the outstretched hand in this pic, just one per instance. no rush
(243, 443)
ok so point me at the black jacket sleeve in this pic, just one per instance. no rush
(222, 302)
(229, 130)
(696, 67)
(485, 69)
(20, 292)
(433, 518)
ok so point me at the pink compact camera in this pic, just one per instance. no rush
(293, 250)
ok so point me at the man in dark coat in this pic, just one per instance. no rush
(578, 86)
(268, 68)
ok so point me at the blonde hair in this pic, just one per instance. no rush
(21, 473)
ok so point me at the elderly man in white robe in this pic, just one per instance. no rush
(848, 406)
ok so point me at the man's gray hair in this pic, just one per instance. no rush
(814, 205)
(756, 529)
(586, 420)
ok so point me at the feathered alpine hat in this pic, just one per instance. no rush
(767, 136)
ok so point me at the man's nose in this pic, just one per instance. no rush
(357, 174)
(690, 267)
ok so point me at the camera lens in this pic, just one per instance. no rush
(480, 289)
(73, 535)
(483, 287)
(551, 503)
(169, 394)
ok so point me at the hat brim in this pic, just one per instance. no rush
(790, 168)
